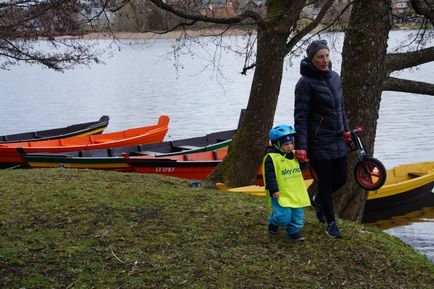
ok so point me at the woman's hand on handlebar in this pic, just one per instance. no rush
(301, 155)
(347, 137)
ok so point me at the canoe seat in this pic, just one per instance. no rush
(416, 174)
(178, 158)
(220, 154)
(101, 140)
(203, 156)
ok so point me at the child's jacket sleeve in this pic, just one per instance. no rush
(270, 176)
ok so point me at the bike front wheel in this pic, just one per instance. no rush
(370, 174)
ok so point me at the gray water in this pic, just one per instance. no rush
(141, 82)
(415, 228)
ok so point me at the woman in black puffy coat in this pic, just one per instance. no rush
(321, 124)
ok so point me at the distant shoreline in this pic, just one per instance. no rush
(150, 35)
(207, 32)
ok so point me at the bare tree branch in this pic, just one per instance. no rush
(15, 51)
(177, 26)
(306, 30)
(398, 61)
(425, 8)
(103, 7)
(231, 20)
(24, 22)
(411, 86)
(309, 28)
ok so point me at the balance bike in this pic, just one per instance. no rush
(369, 173)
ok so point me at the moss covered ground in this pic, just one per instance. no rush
(94, 229)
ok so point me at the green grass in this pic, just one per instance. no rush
(92, 229)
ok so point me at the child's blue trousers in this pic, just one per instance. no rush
(290, 218)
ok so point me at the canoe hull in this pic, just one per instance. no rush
(11, 153)
(180, 169)
(399, 204)
(113, 163)
(408, 188)
(194, 169)
(81, 129)
(112, 158)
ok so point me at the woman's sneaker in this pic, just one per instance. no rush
(318, 210)
(296, 237)
(273, 229)
(332, 230)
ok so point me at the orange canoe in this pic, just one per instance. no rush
(10, 157)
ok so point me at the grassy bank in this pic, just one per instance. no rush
(90, 229)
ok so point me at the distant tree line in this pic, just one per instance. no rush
(50, 18)
(142, 16)
(24, 19)
(145, 16)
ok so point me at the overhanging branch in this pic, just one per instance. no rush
(410, 86)
(306, 30)
(297, 37)
(398, 61)
(218, 20)
(425, 8)
(176, 27)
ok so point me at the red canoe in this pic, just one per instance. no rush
(9, 155)
(189, 166)
(195, 166)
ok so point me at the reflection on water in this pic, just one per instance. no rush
(415, 228)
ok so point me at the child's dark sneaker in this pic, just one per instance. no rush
(273, 229)
(296, 237)
(332, 230)
(318, 210)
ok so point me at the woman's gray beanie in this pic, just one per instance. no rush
(314, 46)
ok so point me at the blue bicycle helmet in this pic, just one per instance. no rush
(281, 134)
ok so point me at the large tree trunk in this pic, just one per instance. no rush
(241, 165)
(363, 73)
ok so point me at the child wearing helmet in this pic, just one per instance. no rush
(284, 183)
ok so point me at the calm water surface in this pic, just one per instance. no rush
(415, 228)
(139, 83)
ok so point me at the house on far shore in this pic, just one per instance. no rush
(257, 6)
(400, 6)
(404, 14)
(230, 8)
(217, 8)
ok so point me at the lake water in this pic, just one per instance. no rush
(139, 83)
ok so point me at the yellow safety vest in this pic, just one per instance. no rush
(292, 189)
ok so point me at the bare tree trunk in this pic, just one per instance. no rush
(363, 73)
(241, 165)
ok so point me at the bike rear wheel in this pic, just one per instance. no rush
(370, 174)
